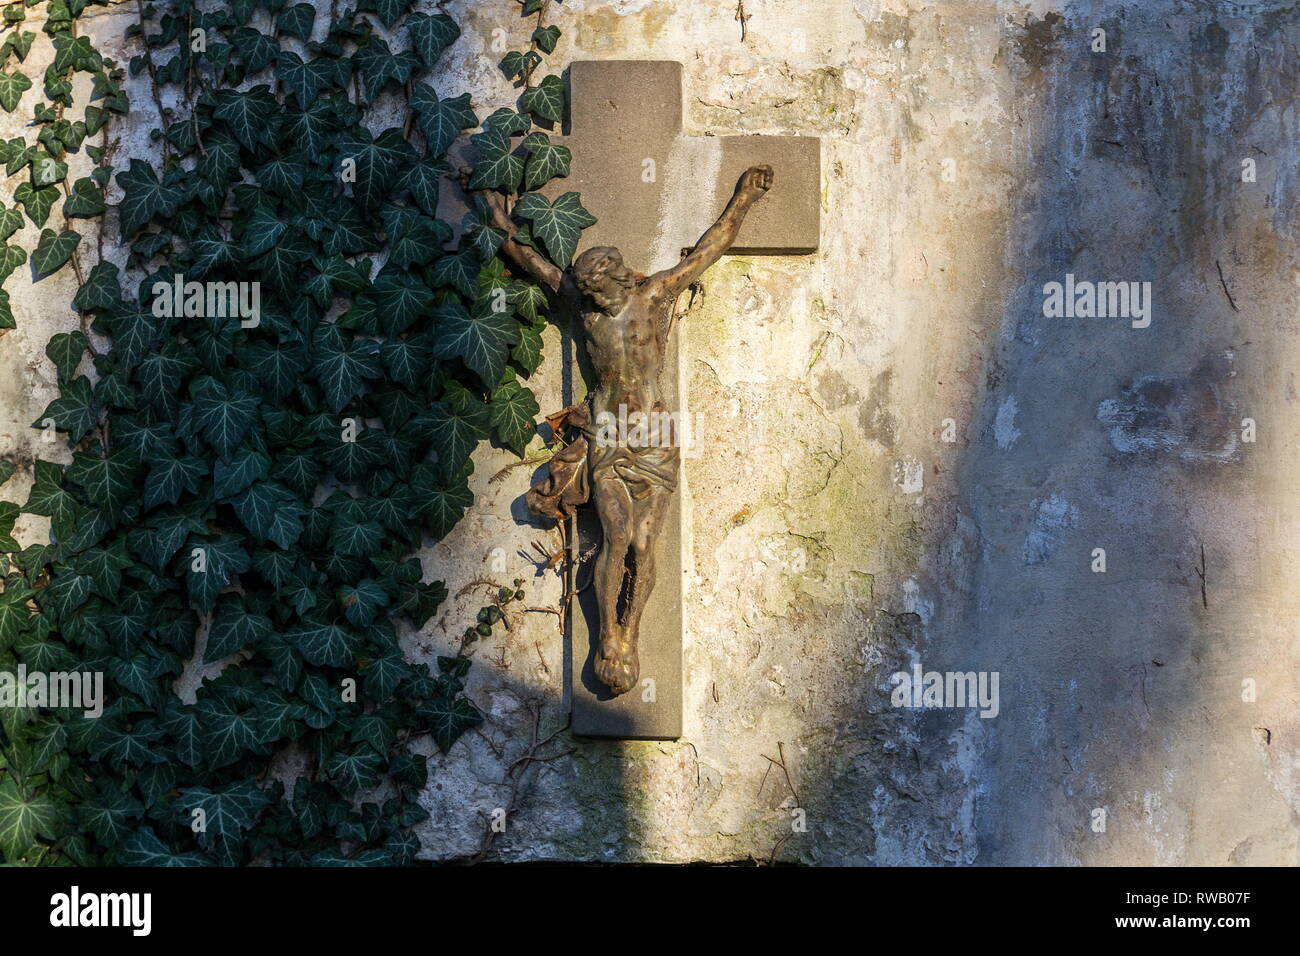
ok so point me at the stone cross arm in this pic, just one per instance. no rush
(655, 189)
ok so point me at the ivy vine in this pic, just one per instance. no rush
(247, 489)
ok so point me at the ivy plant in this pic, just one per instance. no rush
(248, 486)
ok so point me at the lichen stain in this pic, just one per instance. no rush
(607, 31)
(891, 30)
(876, 418)
(1037, 42)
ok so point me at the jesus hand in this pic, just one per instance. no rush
(756, 181)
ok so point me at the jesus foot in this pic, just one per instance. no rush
(616, 664)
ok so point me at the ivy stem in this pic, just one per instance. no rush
(532, 45)
(153, 81)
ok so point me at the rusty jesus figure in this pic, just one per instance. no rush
(627, 320)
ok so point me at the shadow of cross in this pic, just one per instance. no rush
(654, 190)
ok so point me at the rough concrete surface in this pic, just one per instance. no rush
(971, 153)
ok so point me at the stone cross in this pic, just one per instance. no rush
(654, 191)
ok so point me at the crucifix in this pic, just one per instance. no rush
(668, 205)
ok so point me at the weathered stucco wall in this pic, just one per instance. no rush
(971, 152)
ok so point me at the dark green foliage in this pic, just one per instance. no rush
(247, 489)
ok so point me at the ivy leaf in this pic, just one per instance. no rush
(480, 233)
(388, 11)
(263, 231)
(545, 100)
(441, 120)
(65, 350)
(24, 817)
(110, 815)
(37, 201)
(73, 411)
(256, 49)
(379, 164)
(481, 340)
(11, 220)
(378, 65)
(297, 21)
(376, 730)
(49, 498)
(76, 53)
(383, 674)
(19, 44)
(448, 718)
(413, 239)
(248, 114)
(12, 87)
(86, 200)
(66, 593)
(233, 629)
(306, 80)
(354, 772)
(431, 35)
(498, 167)
(341, 365)
(513, 413)
(453, 431)
(169, 477)
(144, 197)
(145, 849)
(325, 645)
(11, 259)
(271, 512)
(224, 416)
(282, 176)
(546, 38)
(362, 602)
(545, 161)
(108, 482)
(46, 170)
(559, 226)
(517, 65)
(160, 375)
(356, 538)
(8, 514)
(529, 301)
(507, 121)
(219, 164)
(459, 271)
(210, 570)
(227, 812)
(228, 732)
(53, 250)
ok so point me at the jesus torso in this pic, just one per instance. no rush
(627, 357)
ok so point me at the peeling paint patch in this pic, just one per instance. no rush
(913, 603)
(909, 475)
(1192, 417)
(1005, 431)
(1051, 518)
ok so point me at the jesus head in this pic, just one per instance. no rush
(601, 275)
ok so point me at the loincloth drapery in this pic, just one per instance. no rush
(588, 459)
(642, 469)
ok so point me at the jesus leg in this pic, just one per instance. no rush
(616, 659)
(648, 520)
